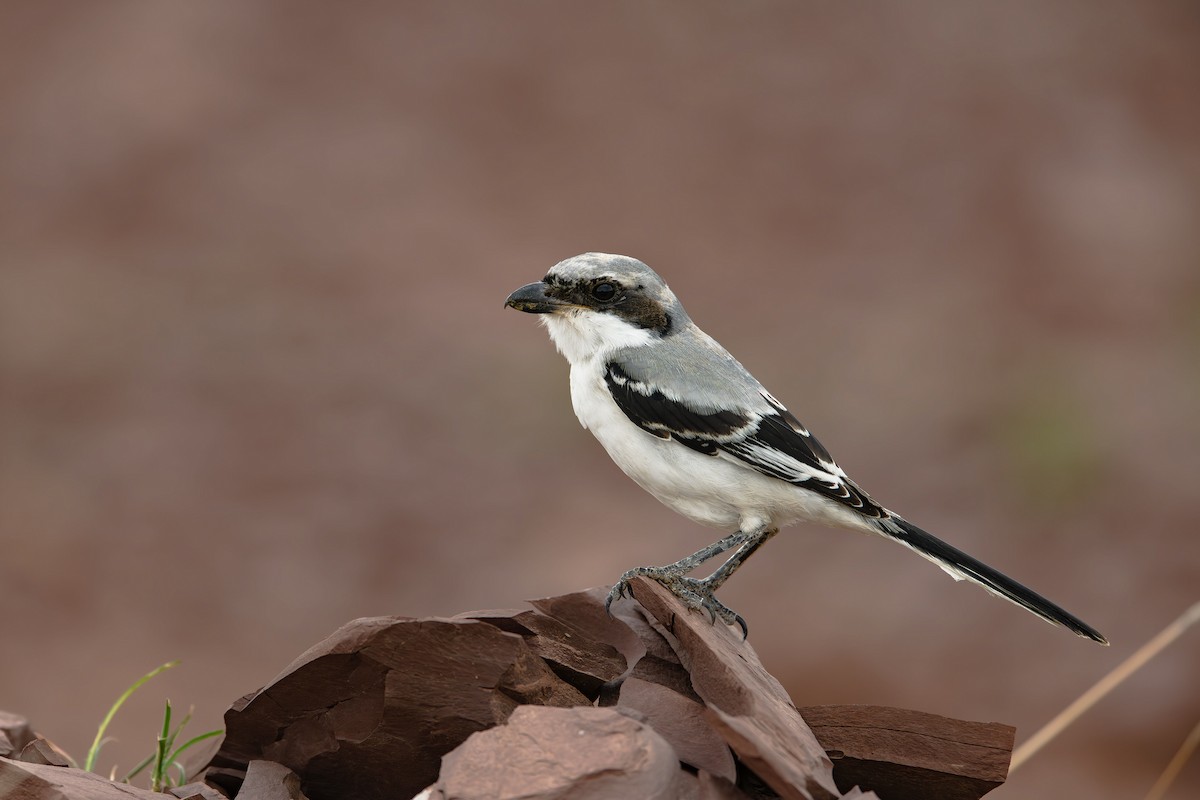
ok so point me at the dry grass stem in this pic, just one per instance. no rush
(1105, 685)
(1175, 766)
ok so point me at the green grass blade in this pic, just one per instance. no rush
(179, 729)
(133, 773)
(160, 754)
(195, 740)
(182, 774)
(94, 751)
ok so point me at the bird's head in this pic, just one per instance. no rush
(596, 303)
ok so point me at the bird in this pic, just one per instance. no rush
(689, 424)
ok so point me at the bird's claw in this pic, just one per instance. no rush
(695, 593)
(618, 591)
(622, 588)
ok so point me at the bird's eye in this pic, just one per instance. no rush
(604, 291)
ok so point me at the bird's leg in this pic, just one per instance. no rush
(723, 572)
(671, 574)
(694, 592)
(706, 588)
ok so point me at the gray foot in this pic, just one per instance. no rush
(695, 593)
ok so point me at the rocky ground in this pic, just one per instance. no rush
(557, 701)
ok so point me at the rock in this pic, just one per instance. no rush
(15, 733)
(502, 618)
(370, 710)
(703, 786)
(266, 780)
(42, 751)
(746, 704)
(29, 781)
(683, 723)
(502, 702)
(557, 753)
(668, 673)
(576, 657)
(906, 755)
(585, 611)
(195, 791)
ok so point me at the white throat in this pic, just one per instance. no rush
(582, 335)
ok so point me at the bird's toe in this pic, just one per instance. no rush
(694, 593)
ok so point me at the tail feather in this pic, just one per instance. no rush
(961, 566)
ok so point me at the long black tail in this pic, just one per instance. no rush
(962, 566)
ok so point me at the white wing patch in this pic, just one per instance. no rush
(781, 464)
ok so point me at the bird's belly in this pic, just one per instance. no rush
(685, 481)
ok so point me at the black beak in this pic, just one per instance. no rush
(532, 299)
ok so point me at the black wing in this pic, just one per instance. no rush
(773, 442)
(654, 412)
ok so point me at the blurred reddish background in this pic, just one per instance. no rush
(256, 379)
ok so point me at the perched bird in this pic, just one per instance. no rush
(682, 418)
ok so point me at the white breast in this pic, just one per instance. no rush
(671, 472)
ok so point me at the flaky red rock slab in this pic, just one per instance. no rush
(683, 723)
(703, 786)
(15, 733)
(908, 755)
(585, 611)
(572, 652)
(266, 780)
(28, 781)
(545, 753)
(369, 711)
(746, 704)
